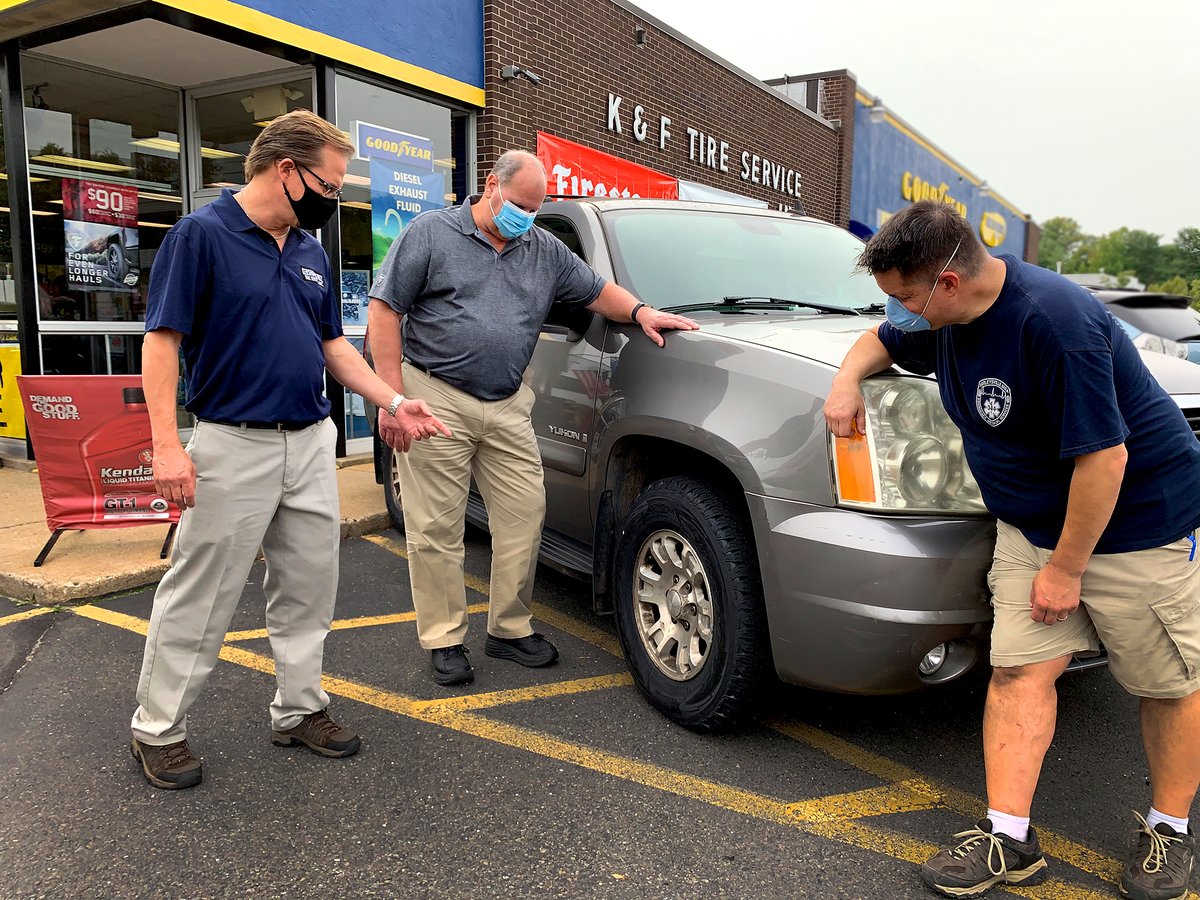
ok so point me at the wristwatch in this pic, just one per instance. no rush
(395, 405)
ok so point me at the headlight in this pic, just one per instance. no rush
(1148, 341)
(911, 458)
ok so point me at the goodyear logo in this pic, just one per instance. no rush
(394, 146)
(993, 228)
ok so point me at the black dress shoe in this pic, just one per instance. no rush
(450, 665)
(533, 651)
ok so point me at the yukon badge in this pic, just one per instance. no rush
(567, 433)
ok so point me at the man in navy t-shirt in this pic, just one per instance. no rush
(1094, 476)
(247, 296)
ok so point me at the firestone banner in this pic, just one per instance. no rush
(573, 170)
(91, 436)
(101, 235)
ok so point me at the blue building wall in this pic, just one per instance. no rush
(894, 167)
(444, 36)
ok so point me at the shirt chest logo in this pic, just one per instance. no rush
(993, 400)
(314, 277)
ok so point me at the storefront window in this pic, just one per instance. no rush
(105, 180)
(8, 291)
(412, 157)
(229, 122)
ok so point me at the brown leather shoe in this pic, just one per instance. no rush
(321, 734)
(171, 766)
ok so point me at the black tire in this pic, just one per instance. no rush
(720, 692)
(391, 488)
(115, 262)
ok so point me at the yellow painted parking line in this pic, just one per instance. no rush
(112, 617)
(541, 612)
(27, 614)
(595, 636)
(1056, 845)
(852, 832)
(525, 694)
(358, 622)
(904, 796)
(479, 585)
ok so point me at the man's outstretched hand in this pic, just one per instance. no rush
(414, 421)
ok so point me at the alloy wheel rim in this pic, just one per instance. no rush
(673, 605)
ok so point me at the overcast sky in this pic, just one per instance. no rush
(1066, 108)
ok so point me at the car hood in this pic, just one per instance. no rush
(827, 338)
(822, 337)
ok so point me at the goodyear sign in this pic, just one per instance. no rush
(992, 229)
(374, 142)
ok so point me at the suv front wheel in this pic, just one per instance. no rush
(689, 604)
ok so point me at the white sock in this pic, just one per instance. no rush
(1180, 825)
(1015, 827)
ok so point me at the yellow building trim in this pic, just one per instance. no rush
(236, 15)
(865, 100)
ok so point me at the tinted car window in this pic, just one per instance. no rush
(1179, 323)
(677, 257)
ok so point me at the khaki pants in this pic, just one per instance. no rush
(277, 490)
(493, 442)
(1144, 605)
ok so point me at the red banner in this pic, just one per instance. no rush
(573, 170)
(91, 437)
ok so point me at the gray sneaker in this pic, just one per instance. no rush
(1161, 867)
(981, 859)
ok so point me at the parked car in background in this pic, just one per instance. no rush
(1167, 317)
(698, 488)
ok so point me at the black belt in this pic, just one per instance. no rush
(267, 426)
(416, 365)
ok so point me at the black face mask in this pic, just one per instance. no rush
(313, 210)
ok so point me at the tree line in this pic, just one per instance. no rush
(1126, 253)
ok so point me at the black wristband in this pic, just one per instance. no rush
(633, 312)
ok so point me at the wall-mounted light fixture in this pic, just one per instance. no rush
(639, 35)
(878, 111)
(985, 189)
(517, 72)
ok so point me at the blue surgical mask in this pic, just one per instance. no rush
(511, 222)
(900, 316)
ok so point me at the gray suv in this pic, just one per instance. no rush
(699, 490)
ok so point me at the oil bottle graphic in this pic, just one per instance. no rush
(119, 463)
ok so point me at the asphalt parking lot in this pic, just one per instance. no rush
(556, 782)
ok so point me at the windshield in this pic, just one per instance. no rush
(676, 257)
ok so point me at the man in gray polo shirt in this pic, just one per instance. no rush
(460, 299)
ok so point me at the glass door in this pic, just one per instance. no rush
(224, 119)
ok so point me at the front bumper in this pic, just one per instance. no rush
(855, 600)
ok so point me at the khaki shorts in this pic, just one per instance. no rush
(1144, 606)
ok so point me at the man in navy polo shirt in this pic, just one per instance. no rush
(248, 296)
(1094, 476)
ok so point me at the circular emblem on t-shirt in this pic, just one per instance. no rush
(993, 400)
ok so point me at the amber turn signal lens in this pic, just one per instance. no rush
(852, 458)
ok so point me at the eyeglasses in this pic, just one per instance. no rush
(330, 192)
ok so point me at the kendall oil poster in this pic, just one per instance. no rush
(91, 437)
(101, 235)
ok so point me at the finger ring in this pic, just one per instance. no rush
(1063, 617)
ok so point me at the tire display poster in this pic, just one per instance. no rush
(91, 436)
(100, 235)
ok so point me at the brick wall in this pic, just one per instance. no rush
(583, 50)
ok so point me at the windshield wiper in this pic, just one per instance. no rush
(762, 303)
(873, 308)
